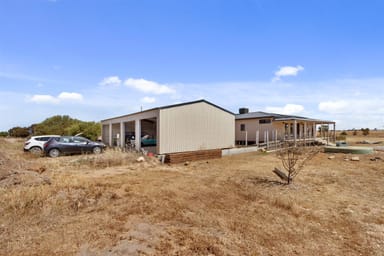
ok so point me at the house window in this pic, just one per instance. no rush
(264, 121)
(242, 127)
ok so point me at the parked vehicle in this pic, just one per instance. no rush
(146, 139)
(64, 145)
(35, 144)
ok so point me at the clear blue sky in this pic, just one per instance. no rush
(102, 58)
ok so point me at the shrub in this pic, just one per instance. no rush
(365, 131)
(19, 132)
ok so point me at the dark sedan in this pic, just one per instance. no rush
(71, 145)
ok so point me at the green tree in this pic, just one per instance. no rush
(65, 125)
(19, 132)
(3, 134)
(54, 125)
(90, 130)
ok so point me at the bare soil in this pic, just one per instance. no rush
(110, 204)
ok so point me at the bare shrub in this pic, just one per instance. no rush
(293, 157)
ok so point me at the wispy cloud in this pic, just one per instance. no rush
(148, 86)
(288, 109)
(43, 98)
(113, 81)
(334, 107)
(287, 71)
(49, 99)
(148, 100)
(71, 96)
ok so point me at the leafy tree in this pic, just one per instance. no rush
(3, 134)
(90, 130)
(54, 125)
(65, 125)
(19, 132)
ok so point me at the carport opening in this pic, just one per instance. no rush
(148, 133)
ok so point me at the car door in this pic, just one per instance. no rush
(66, 145)
(82, 145)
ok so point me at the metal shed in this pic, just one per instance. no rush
(191, 126)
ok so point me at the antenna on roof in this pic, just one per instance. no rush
(141, 108)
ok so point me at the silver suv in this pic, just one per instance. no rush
(35, 144)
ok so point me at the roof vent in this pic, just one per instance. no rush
(243, 110)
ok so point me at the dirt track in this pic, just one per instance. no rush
(229, 206)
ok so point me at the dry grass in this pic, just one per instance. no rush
(109, 204)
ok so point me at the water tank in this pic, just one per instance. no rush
(243, 110)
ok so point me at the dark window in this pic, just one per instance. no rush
(66, 140)
(264, 121)
(44, 138)
(79, 140)
(242, 127)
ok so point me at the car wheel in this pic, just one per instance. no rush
(96, 150)
(36, 150)
(54, 152)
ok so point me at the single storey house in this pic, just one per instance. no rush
(261, 128)
(187, 127)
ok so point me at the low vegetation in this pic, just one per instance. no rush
(111, 204)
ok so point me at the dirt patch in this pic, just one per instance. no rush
(22, 178)
(12, 175)
(142, 239)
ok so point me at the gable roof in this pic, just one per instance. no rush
(172, 106)
(194, 102)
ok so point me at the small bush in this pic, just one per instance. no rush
(365, 131)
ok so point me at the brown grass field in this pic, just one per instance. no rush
(109, 204)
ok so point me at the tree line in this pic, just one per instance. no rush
(58, 125)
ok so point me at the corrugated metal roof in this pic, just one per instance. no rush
(172, 106)
(277, 117)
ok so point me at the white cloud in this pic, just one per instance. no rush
(288, 109)
(148, 100)
(287, 71)
(49, 99)
(148, 86)
(113, 81)
(70, 96)
(41, 98)
(334, 107)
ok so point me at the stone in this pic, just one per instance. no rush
(140, 159)
(355, 158)
(331, 157)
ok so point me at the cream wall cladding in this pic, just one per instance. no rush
(196, 126)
